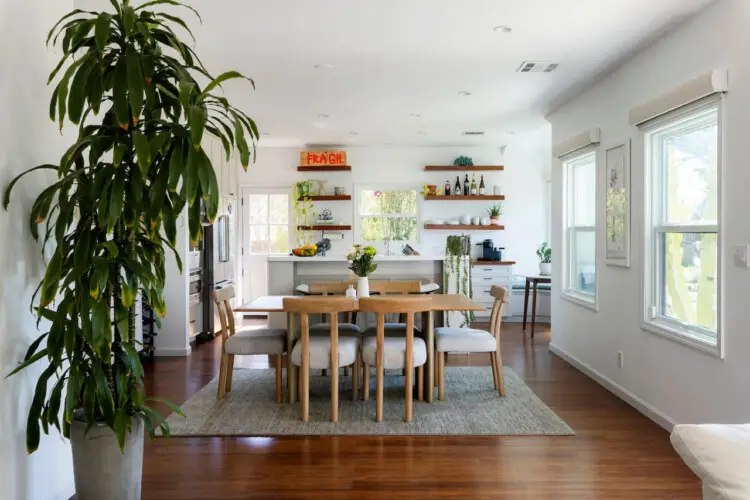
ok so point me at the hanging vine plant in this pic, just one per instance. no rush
(112, 214)
(458, 266)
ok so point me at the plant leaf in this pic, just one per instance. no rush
(170, 2)
(78, 88)
(142, 150)
(128, 19)
(6, 196)
(101, 32)
(229, 75)
(120, 94)
(51, 278)
(135, 83)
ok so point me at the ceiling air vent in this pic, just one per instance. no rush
(537, 67)
(473, 132)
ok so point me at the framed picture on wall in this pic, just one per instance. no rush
(618, 205)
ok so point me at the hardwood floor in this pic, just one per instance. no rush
(616, 454)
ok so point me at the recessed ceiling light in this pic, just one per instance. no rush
(464, 93)
(502, 29)
(323, 66)
(422, 132)
(511, 133)
(322, 115)
(353, 133)
(414, 115)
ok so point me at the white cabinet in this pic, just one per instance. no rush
(226, 171)
(483, 278)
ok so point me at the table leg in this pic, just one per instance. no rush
(291, 370)
(525, 304)
(430, 340)
(533, 311)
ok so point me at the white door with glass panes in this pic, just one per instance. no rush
(266, 231)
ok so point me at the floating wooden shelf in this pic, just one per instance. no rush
(493, 263)
(463, 227)
(486, 197)
(325, 168)
(325, 227)
(343, 197)
(455, 168)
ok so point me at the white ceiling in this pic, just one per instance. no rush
(393, 58)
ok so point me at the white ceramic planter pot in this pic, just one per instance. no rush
(545, 269)
(495, 220)
(363, 287)
(101, 470)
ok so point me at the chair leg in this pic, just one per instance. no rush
(420, 383)
(379, 389)
(441, 375)
(355, 378)
(366, 382)
(230, 371)
(494, 370)
(334, 395)
(278, 378)
(346, 371)
(409, 385)
(223, 376)
(500, 378)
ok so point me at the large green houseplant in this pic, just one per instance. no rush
(143, 102)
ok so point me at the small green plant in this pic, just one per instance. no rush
(463, 161)
(302, 205)
(496, 210)
(360, 260)
(544, 252)
(458, 265)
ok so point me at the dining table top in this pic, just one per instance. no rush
(439, 302)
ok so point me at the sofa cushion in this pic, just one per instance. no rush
(719, 455)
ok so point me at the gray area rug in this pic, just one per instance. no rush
(470, 408)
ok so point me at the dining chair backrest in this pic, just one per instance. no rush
(500, 294)
(395, 287)
(223, 299)
(395, 304)
(316, 305)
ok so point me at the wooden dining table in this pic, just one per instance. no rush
(439, 303)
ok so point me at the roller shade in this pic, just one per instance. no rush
(580, 141)
(709, 83)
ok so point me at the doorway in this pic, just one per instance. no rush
(266, 231)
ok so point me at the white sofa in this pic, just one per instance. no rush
(719, 455)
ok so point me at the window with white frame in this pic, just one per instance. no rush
(683, 163)
(579, 259)
(388, 213)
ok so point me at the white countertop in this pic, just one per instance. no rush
(342, 258)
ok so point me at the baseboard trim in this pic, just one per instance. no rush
(646, 409)
(162, 352)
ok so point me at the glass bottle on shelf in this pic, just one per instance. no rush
(474, 191)
(457, 191)
(447, 188)
(466, 185)
(481, 186)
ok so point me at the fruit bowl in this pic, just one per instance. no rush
(306, 251)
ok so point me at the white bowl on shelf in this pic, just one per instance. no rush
(455, 223)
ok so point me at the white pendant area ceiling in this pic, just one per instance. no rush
(379, 72)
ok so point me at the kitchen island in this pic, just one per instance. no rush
(287, 272)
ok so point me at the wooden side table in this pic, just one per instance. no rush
(534, 281)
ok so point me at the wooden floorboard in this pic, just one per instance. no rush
(616, 454)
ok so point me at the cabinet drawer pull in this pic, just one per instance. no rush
(486, 279)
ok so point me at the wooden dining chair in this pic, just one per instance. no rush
(474, 341)
(384, 288)
(334, 288)
(270, 341)
(389, 353)
(321, 353)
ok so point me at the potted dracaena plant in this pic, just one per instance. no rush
(129, 82)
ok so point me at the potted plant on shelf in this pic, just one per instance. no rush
(360, 262)
(495, 211)
(112, 220)
(544, 252)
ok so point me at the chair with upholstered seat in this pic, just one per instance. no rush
(334, 288)
(269, 341)
(382, 288)
(322, 353)
(474, 341)
(405, 353)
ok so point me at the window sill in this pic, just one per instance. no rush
(684, 337)
(581, 299)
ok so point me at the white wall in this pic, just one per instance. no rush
(677, 384)
(523, 182)
(27, 138)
